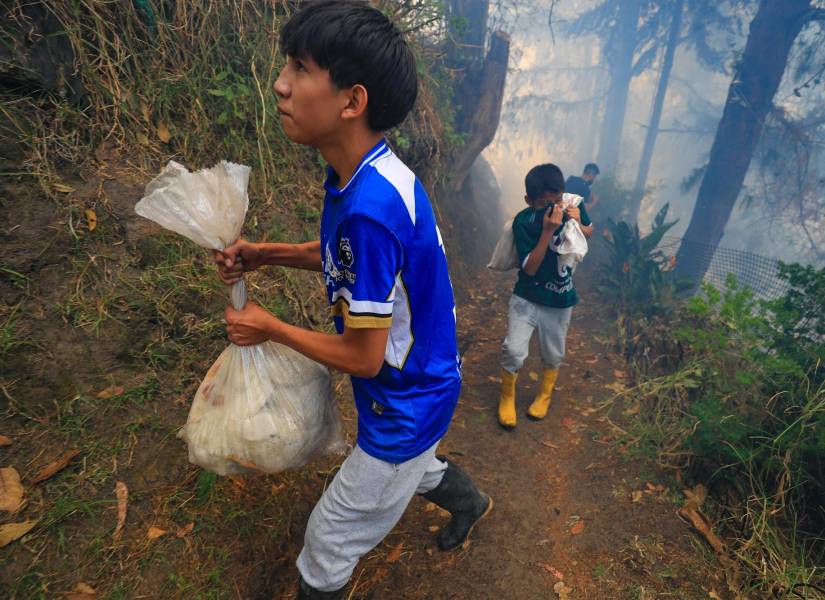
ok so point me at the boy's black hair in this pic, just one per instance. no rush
(591, 168)
(357, 43)
(543, 178)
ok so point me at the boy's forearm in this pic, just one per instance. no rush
(353, 354)
(538, 253)
(299, 256)
(587, 230)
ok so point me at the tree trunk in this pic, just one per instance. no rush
(620, 59)
(468, 32)
(656, 112)
(750, 99)
(481, 110)
(591, 135)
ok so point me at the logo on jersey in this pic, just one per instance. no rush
(345, 256)
(332, 274)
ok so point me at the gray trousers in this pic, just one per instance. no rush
(523, 318)
(359, 508)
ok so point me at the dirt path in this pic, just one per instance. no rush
(545, 478)
(237, 538)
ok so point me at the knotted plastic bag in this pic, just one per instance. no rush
(263, 407)
(572, 243)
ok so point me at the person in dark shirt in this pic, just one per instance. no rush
(581, 185)
(543, 297)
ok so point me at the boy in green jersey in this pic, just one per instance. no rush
(544, 296)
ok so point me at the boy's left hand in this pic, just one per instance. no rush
(250, 326)
(573, 212)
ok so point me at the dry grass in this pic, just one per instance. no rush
(125, 307)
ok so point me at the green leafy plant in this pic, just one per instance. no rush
(636, 274)
(740, 404)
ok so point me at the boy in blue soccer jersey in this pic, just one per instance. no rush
(350, 76)
(543, 297)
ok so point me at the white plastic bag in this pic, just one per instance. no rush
(572, 244)
(263, 407)
(505, 256)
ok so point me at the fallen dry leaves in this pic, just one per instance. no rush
(55, 466)
(617, 387)
(692, 513)
(533, 375)
(81, 591)
(111, 392)
(11, 491)
(163, 132)
(122, 493)
(562, 590)
(13, 531)
(395, 552)
(91, 219)
(578, 528)
(154, 533)
(5, 441)
(552, 570)
(185, 530)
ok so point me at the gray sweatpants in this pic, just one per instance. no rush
(359, 508)
(523, 318)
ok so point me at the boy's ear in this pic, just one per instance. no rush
(357, 99)
(527, 198)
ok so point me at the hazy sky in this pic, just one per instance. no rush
(545, 119)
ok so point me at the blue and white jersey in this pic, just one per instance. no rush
(385, 267)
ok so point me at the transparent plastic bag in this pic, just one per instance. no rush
(263, 407)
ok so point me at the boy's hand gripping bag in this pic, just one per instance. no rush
(572, 244)
(264, 407)
(505, 256)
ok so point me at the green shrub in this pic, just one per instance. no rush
(637, 275)
(740, 403)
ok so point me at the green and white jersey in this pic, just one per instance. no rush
(552, 285)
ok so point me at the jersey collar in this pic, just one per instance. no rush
(330, 185)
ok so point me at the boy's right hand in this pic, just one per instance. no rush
(236, 259)
(553, 217)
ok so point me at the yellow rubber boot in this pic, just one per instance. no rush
(507, 402)
(538, 409)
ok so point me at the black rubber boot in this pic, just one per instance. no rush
(307, 592)
(459, 495)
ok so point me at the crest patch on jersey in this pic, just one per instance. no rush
(345, 256)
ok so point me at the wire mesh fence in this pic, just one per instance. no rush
(759, 273)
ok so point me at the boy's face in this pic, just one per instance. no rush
(544, 200)
(309, 103)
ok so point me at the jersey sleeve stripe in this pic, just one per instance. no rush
(360, 321)
(367, 307)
